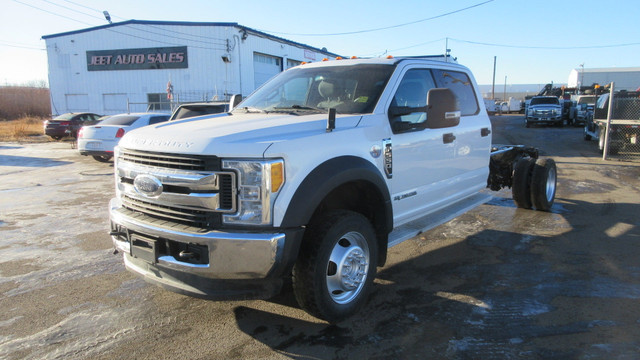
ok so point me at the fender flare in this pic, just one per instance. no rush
(327, 177)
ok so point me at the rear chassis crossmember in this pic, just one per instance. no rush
(502, 163)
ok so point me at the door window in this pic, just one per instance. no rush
(410, 100)
(462, 88)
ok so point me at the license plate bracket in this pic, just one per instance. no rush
(94, 145)
(144, 248)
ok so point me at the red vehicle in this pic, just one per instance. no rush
(68, 124)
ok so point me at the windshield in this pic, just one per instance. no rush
(545, 100)
(119, 120)
(348, 89)
(602, 101)
(64, 116)
(587, 100)
(186, 111)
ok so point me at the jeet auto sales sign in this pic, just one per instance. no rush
(138, 59)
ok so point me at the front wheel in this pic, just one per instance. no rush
(336, 265)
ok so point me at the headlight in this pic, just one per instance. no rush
(259, 182)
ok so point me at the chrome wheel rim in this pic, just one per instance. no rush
(347, 267)
(551, 184)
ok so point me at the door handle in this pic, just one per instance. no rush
(448, 138)
(485, 132)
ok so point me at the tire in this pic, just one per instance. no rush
(336, 265)
(102, 158)
(521, 183)
(56, 137)
(543, 184)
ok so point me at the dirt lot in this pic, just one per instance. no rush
(496, 283)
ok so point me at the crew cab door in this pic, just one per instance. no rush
(435, 161)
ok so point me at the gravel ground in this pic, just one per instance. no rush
(495, 283)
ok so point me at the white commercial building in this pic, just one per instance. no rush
(627, 78)
(138, 65)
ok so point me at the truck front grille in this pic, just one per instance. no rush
(171, 161)
(195, 191)
(169, 215)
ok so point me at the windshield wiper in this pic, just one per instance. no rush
(298, 107)
(249, 109)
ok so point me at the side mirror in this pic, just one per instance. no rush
(235, 100)
(442, 109)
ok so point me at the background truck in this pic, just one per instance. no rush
(511, 106)
(625, 121)
(544, 110)
(311, 179)
(581, 105)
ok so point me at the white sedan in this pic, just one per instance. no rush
(100, 139)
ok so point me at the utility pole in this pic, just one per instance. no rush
(446, 50)
(504, 93)
(493, 85)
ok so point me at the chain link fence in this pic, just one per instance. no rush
(615, 125)
(178, 98)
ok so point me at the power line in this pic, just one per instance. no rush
(387, 27)
(21, 46)
(118, 32)
(52, 13)
(546, 47)
(74, 10)
(86, 7)
(142, 30)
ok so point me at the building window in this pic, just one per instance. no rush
(291, 63)
(158, 102)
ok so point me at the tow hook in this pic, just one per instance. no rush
(186, 255)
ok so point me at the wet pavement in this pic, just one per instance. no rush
(495, 283)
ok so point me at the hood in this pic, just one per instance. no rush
(545, 106)
(234, 135)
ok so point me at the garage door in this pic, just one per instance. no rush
(265, 67)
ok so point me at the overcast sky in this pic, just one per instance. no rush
(535, 41)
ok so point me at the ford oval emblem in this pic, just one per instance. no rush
(147, 185)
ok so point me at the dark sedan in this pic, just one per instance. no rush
(68, 124)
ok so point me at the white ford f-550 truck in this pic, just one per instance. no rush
(312, 178)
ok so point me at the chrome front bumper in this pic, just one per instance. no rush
(232, 255)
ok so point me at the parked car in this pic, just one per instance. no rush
(68, 124)
(198, 109)
(99, 140)
(544, 110)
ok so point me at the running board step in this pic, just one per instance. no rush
(428, 222)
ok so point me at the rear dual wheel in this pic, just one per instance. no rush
(534, 183)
